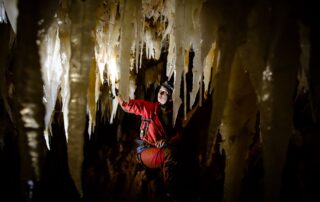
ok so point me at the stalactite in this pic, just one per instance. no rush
(195, 33)
(83, 18)
(209, 68)
(274, 86)
(209, 48)
(314, 62)
(29, 94)
(12, 12)
(107, 37)
(4, 53)
(8, 37)
(279, 82)
(127, 11)
(169, 12)
(253, 52)
(178, 55)
(51, 72)
(139, 33)
(220, 90)
(237, 128)
(65, 55)
(91, 96)
(304, 59)
(3, 16)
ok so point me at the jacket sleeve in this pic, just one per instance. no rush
(137, 107)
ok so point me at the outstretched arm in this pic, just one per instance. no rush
(134, 106)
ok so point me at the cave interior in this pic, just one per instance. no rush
(247, 72)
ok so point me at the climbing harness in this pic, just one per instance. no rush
(146, 122)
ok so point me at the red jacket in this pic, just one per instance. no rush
(155, 130)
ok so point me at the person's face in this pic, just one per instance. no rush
(163, 95)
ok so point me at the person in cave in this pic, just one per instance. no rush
(157, 146)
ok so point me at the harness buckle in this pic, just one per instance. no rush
(142, 133)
